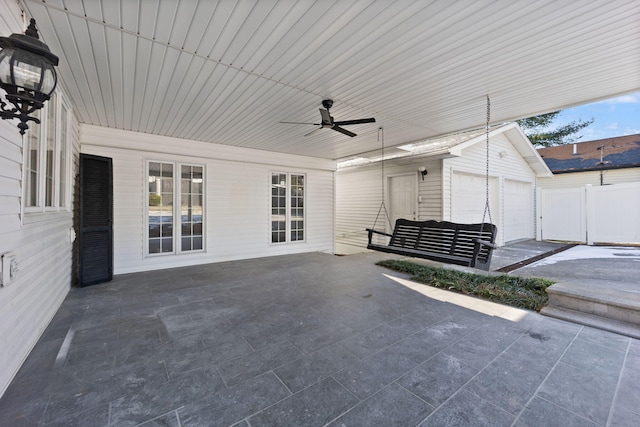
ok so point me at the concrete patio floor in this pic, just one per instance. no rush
(312, 340)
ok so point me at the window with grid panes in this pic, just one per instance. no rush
(175, 200)
(47, 160)
(287, 207)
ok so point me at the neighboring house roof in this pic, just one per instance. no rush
(610, 153)
(452, 146)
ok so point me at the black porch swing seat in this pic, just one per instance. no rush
(469, 245)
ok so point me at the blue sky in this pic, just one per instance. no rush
(617, 116)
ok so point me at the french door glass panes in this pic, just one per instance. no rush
(160, 207)
(297, 208)
(287, 207)
(278, 207)
(191, 207)
(175, 201)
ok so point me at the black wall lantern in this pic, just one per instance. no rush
(27, 74)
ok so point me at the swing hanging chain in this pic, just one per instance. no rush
(382, 205)
(487, 208)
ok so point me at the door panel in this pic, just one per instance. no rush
(562, 214)
(95, 264)
(518, 210)
(402, 197)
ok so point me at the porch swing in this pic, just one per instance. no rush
(469, 245)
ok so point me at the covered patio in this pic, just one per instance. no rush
(312, 339)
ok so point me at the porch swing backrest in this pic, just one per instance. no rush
(470, 245)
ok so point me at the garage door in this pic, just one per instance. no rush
(468, 196)
(518, 210)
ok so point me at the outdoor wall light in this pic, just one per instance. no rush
(423, 171)
(27, 74)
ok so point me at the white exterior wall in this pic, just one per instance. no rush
(509, 166)
(359, 198)
(39, 241)
(580, 179)
(237, 198)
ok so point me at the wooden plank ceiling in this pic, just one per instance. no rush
(228, 72)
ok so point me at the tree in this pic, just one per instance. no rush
(538, 129)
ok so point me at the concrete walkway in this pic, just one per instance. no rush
(312, 340)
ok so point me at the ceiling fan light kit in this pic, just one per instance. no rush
(328, 122)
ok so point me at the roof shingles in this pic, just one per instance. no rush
(610, 153)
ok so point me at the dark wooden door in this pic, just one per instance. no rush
(95, 263)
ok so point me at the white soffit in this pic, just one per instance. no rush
(228, 72)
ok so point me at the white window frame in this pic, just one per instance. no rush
(58, 101)
(288, 208)
(177, 217)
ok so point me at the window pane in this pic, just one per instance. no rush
(32, 196)
(186, 244)
(154, 246)
(296, 208)
(160, 217)
(191, 205)
(62, 158)
(167, 245)
(50, 153)
(197, 243)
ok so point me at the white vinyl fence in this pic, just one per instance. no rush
(592, 215)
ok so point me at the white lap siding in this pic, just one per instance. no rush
(40, 242)
(237, 198)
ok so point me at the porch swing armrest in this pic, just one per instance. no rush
(486, 243)
(371, 231)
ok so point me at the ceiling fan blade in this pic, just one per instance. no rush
(355, 122)
(326, 117)
(300, 123)
(341, 130)
(313, 131)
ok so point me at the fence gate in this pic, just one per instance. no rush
(593, 215)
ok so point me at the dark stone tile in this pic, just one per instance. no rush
(371, 341)
(315, 339)
(78, 398)
(96, 371)
(94, 417)
(506, 384)
(373, 373)
(261, 334)
(24, 403)
(586, 355)
(466, 409)
(418, 320)
(391, 406)
(314, 367)
(540, 413)
(575, 390)
(152, 399)
(541, 346)
(605, 338)
(484, 345)
(266, 359)
(424, 344)
(315, 405)
(622, 417)
(228, 406)
(628, 394)
(438, 378)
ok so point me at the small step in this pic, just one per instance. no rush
(605, 305)
(599, 322)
